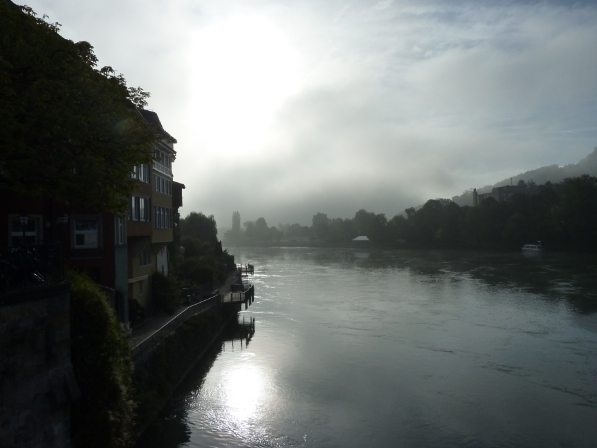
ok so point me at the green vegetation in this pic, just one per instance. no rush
(205, 264)
(103, 416)
(254, 231)
(563, 216)
(165, 292)
(68, 131)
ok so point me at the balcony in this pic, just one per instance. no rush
(162, 168)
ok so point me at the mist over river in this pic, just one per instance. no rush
(357, 348)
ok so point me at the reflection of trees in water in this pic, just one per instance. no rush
(171, 428)
(551, 276)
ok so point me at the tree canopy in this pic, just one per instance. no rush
(68, 130)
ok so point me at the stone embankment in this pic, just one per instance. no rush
(37, 384)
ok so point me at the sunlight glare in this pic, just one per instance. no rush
(244, 392)
(243, 71)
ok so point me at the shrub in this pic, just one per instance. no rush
(101, 358)
(165, 293)
(198, 271)
(136, 313)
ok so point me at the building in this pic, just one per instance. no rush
(119, 252)
(85, 240)
(500, 194)
(151, 217)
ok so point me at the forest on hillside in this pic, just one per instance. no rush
(539, 176)
(561, 215)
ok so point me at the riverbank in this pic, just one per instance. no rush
(153, 323)
(155, 379)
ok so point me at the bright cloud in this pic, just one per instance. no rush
(284, 109)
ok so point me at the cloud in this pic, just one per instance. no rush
(391, 103)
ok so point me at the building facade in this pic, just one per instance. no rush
(119, 252)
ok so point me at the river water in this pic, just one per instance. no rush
(353, 348)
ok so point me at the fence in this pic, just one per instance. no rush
(23, 267)
(142, 350)
(245, 294)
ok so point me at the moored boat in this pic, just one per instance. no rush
(533, 247)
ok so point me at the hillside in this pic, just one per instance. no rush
(550, 173)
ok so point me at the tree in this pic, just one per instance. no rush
(250, 230)
(261, 229)
(68, 131)
(197, 225)
(320, 225)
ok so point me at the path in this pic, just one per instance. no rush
(155, 322)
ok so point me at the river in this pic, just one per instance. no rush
(358, 348)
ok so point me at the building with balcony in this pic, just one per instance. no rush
(150, 223)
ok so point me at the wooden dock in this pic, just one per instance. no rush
(245, 268)
(238, 298)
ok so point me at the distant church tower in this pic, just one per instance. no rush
(475, 198)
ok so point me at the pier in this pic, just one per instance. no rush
(245, 268)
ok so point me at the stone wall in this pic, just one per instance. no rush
(37, 383)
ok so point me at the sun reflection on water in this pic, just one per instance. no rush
(244, 392)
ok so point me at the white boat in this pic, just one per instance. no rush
(533, 247)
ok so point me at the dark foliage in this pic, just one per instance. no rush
(562, 216)
(136, 313)
(68, 130)
(205, 263)
(164, 293)
(101, 358)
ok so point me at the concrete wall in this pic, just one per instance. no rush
(37, 384)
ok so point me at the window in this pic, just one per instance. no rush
(162, 185)
(134, 208)
(163, 217)
(86, 234)
(31, 232)
(140, 209)
(144, 257)
(144, 173)
(120, 231)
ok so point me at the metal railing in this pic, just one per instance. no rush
(143, 349)
(162, 168)
(23, 267)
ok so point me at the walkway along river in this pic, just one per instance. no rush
(163, 358)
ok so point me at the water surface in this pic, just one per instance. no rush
(353, 348)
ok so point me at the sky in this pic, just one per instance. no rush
(286, 108)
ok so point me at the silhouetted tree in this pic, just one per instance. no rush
(69, 131)
(320, 225)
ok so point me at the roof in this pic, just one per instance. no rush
(152, 118)
(361, 238)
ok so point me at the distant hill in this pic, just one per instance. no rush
(551, 173)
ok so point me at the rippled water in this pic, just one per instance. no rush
(406, 348)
